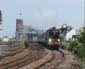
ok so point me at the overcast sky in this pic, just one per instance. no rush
(41, 14)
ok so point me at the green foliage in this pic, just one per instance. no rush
(81, 50)
(73, 45)
(78, 46)
(82, 38)
(62, 46)
(82, 44)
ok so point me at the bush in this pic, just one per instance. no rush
(78, 46)
(62, 46)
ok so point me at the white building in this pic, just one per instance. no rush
(70, 34)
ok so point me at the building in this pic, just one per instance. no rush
(28, 33)
(19, 27)
(9, 46)
(71, 35)
(32, 34)
(19, 24)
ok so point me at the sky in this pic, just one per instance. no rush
(41, 14)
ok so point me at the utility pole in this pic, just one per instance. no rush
(0, 19)
(84, 26)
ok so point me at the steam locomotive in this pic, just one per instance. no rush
(53, 38)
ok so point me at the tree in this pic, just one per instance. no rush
(81, 40)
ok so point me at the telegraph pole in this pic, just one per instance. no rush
(0, 19)
(84, 26)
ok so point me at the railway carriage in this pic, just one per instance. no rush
(50, 38)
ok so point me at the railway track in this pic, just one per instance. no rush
(18, 61)
(37, 52)
(58, 58)
(62, 58)
(55, 59)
